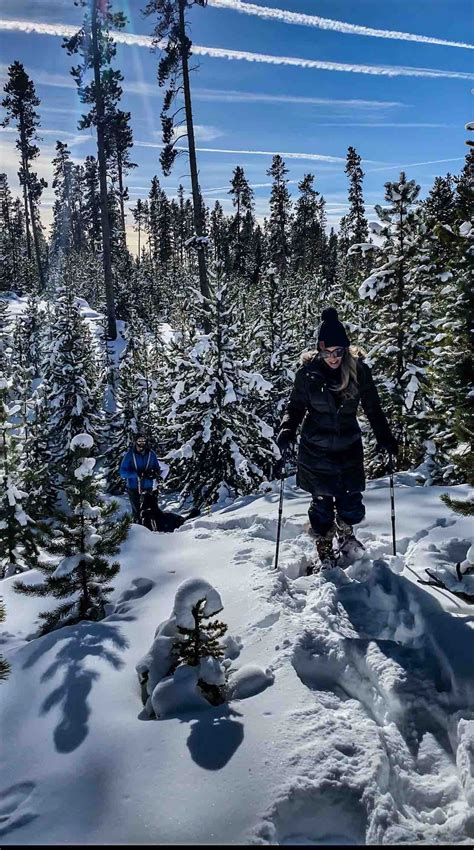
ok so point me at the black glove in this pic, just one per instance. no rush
(284, 439)
(388, 444)
(278, 467)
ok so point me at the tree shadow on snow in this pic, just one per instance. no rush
(434, 648)
(214, 737)
(80, 641)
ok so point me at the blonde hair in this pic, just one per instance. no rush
(349, 383)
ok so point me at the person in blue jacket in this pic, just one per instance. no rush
(140, 462)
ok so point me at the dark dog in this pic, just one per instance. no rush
(152, 517)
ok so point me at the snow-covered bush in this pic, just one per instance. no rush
(185, 668)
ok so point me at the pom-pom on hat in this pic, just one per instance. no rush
(332, 331)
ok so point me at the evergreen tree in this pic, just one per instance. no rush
(92, 204)
(20, 102)
(449, 251)
(198, 643)
(62, 231)
(32, 334)
(241, 224)
(18, 538)
(219, 232)
(85, 539)
(119, 144)
(275, 330)
(135, 394)
(398, 335)
(72, 376)
(97, 48)
(224, 445)
(439, 205)
(173, 70)
(139, 216)
(306, 231)
(16, 271)
(280, 217)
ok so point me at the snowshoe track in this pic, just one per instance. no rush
(368, 654)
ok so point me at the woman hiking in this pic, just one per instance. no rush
(329, 384)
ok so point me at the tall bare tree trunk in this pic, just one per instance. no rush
(197, 210)
(101, 159)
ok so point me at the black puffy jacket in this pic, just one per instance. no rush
(330, 456)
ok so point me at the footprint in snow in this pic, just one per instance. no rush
(243, 555)
(12, 812)
(140, 587)
(312, 815)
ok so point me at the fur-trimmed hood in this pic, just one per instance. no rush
(307, 356)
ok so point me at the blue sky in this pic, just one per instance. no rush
(393, 121)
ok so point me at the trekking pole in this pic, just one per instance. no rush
(280, 506)
(392, 501)
(140, 500)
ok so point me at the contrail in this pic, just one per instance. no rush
(378, 70)
(224, 53)
(312, 156)
(287, 17)
(414, 164)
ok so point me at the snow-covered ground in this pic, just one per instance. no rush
(364, 733)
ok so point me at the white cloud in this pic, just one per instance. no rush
(202, 132)
(244, 55)
(287, 17)
(261, 97)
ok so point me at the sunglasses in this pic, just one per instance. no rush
(338, 352)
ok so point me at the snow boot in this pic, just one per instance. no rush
(326, 558)
(349, 548)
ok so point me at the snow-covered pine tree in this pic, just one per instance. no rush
(4, 665)
(275, 331)
(439, 206)
(38, 463)
(224, 445)
(6, 337)
(72, 379)
(134, 396)
(398, 332)
(197, 642)
(451, 373)
(84, 541)
(32, 332)
(18, 535)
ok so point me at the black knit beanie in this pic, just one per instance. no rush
(332, 331)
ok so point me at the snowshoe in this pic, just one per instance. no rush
(349, 548)
(326, 557)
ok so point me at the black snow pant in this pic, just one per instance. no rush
(349, 507)
(134, 497)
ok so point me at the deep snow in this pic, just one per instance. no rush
(366, 734)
